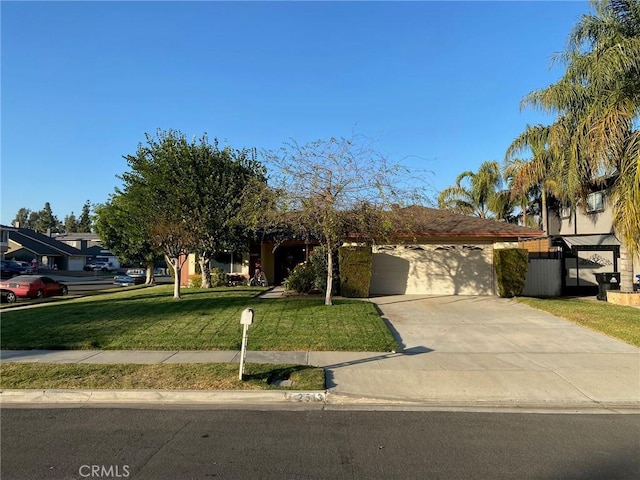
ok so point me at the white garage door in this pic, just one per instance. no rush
(432, 269)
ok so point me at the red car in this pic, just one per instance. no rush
(34, 286)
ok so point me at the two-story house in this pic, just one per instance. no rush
(587, 240)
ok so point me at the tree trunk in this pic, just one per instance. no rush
(327, 295)
(205, 262)
(625, 268)
(150, 267)
(176, 283)
(545, 216)
(177, 270)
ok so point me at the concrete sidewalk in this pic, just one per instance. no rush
(607, 381)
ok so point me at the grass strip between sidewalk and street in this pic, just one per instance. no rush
(202, 376)
(617, 321)
(203, 319)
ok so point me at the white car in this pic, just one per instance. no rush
(134, 276)
(101, 266)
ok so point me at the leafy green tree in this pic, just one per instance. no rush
(23, 218)
(117, 223)
(595, 136)
(220, 182)
(84, 221)
(153, 184)
(188, 195)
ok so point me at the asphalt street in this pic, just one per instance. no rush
(70, 443)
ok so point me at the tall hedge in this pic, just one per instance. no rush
(355, 271)
(511, 266)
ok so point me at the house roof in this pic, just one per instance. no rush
(76, 236)
(41, 244)
(431, 222)
(424, 222)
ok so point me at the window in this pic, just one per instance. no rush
(595, 202)
(565, 211)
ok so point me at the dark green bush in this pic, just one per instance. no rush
(219, 278)
(511, 266)
(318, 259)
(302, 279)
(355, 271)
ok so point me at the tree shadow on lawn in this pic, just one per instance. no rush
(273, 375)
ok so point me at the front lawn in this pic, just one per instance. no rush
(617, 321)
(150, 319)
(203, 376)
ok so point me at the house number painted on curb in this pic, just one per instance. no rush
(246, 319)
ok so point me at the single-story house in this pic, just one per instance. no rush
(26, 244)
(443, 253)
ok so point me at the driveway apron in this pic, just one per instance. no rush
(466, 349)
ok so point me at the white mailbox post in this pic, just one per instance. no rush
(246, 319)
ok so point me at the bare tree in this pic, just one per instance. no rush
(335, 189)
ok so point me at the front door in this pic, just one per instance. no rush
(286, 259)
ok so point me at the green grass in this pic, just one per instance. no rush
(617, 321)
(150, 319)
(208, 376)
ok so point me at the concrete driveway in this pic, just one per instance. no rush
(460, 350)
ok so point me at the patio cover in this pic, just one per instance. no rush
(577, 241)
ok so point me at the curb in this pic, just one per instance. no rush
(318, 399)
(159, 397)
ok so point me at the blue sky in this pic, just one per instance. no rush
(437, 85)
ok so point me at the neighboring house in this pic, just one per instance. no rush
(90, 245)
(4, 239)
(444, 253)
(26, 244)
(81, 241)
(586, 238)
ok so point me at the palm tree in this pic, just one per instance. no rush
(597, 102)
(538, 171)
(480, 197)
(527, 199)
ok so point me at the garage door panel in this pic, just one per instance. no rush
(432, 269)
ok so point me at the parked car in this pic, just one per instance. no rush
(133, 276)
(26, 266)
(99, 266)
(34, 286)
(12, 268)
(7, 296)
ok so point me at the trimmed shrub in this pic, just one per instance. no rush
(511, 266)
(355, 271)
